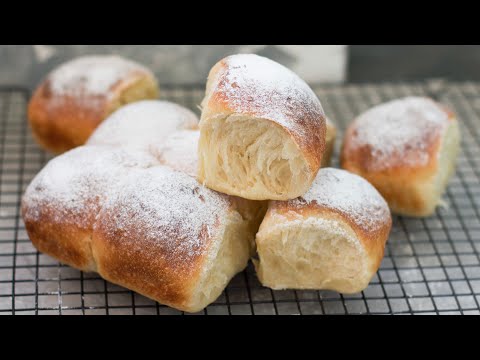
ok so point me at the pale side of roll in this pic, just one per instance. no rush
(407, 148)
(333, 237)
(262, 130)
(78, 95)
(329, 143)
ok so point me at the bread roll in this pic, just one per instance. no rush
(179, 152)
(262, 130)
(330, 143)
(143, 124)
(167, 237)
(138, 224)
(77, 96)
(332, 238)
(407, 149)
(60, 204)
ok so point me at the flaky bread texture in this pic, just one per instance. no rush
(329, 143)
(138, 224)
(333, 238)
(67, 107)
(262, 130)
(418, 169)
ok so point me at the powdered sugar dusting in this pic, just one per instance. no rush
(71, 187)
(168, 210)
(92, 75)
(179, 151)
(350, 194)
(143, 124)
(399, 132)
(258, 86)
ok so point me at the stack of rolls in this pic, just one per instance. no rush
(173, 207)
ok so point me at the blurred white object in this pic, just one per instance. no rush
(314, 63)
(43, 52)
(319, 63)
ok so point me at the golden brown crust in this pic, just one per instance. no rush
(71, 243)
(62, 121)
(132, 260)
(403, 178)
(290, 104)
(400, 187)
(60, 125)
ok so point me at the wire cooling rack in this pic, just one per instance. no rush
(431, 266)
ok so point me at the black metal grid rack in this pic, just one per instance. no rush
(431, 266)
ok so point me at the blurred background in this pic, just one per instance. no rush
(25, 65)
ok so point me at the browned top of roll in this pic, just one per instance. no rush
(255, 86)
(400, 134)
